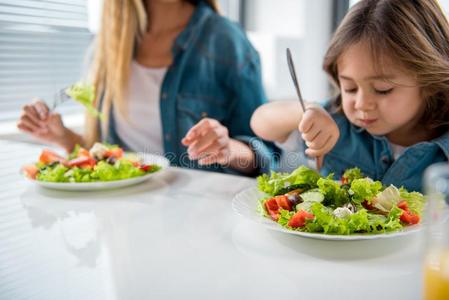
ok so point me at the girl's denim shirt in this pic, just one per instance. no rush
(372, 154)
(215, 74)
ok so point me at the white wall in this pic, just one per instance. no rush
(304, 27)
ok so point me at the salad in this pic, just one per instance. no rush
(305, 201)
(101, 163)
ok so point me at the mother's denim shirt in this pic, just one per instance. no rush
(216, 74)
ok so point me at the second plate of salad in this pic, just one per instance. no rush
(101, 167)
(352, 208)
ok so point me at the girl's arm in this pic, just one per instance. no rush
(275, 121)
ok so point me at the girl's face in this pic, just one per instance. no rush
(387, 104)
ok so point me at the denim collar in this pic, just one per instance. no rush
(187, 36)
(442, 141)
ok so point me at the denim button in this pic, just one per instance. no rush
(164, 96)
(167, 136)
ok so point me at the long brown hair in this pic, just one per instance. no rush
(123, 24)
(413, 33)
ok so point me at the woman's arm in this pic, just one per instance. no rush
(37, 120)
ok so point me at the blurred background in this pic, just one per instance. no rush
(43, 45)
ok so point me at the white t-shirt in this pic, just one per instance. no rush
(293, 153)
(142, 130)
(397, 150)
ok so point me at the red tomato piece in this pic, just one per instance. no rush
(403, 205)
(272, 208)
(115, 152)
(82, 162)
(48, 157)
(83, 153)
(30, 171)
(146, 168)
(409, 217)
(283, 202)
(299, 219)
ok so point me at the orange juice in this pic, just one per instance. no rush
(436, 276)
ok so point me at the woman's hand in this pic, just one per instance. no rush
(319, 131)
(209, 142)
(37, 120)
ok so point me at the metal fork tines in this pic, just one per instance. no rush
(59, 98)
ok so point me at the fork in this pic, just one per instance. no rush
(291, 67)
(59, 97)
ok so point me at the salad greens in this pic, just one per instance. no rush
(84, 93)
(101, 163)
(305, 201)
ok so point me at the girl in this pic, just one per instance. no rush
(172, 77)
(390, 61)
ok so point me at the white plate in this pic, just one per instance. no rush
(245, 204)
(149, 159)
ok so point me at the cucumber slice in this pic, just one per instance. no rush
(304, 206)
(312, 196)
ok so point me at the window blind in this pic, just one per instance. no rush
(42, 49)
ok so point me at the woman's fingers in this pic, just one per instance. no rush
(205, 139)
(220, 157)
(41, 108)
(22, 126)
(212, 149)
(213, 138)
(199, 129)
(31, 112)
(30, 123)
(201, 143)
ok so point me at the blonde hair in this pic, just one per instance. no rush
(413, 33)
(123, 24)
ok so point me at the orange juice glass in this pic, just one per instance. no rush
(436, 266)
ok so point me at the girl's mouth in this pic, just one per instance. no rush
(367, 122)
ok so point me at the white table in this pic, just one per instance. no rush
(176, 237)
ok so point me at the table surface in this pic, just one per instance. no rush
(176, 236)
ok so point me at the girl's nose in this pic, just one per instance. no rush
(364, 102)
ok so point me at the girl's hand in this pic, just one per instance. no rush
(208, 142)
(37, 120)
(319, 131)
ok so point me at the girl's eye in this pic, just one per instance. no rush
(351, 91)
(384, 92)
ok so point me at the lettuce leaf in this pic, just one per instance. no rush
(333, 192)
(53, 173)
(352, 174)
(280, 183)
(364, 189)
(84, 93)
(414, 200)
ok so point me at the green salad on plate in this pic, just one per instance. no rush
(307, 202)
(101, 163)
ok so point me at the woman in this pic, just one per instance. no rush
(171, 77)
